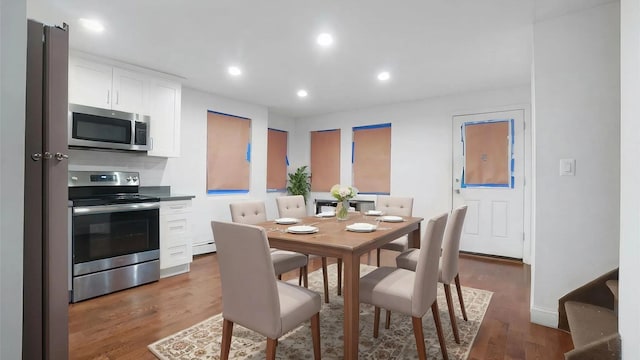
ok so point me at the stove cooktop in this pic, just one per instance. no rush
(112, 199)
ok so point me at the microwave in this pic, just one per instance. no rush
(95, 128)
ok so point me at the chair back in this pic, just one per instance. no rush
(249, 291)
(291, 206)
(451, 245)
(395, 205)
(248, 212)
(425, 287)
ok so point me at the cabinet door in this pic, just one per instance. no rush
(90, 83)
(129, 91)
(165, 99)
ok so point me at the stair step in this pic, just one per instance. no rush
(588, 322)
(613, 286)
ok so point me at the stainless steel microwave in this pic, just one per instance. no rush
(95, 128)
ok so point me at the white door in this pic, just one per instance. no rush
(488, 176)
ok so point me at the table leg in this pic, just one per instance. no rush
(351, 296)
(414, 238)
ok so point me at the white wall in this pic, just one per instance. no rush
(187, 174)
(629, 320)
(421, 138)
(577, 115)
(13, 42)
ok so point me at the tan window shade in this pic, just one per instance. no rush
(228, 153)
(325, 159)
(277, 159)
(372, 159)
(486, 153)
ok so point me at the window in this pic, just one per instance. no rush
(488, 154)
(277, 161)
(371, 158)
(325, 159)
(228, 153)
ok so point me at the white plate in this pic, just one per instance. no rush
(302, 229)
(361, 227)
(326, 214)
(287, 221)
(391, 218)
(374, 212)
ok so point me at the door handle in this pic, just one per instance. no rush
(36, 156)
(457, 191)
(59, 156)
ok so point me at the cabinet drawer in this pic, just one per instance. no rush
(175, 255)
(174, 225)
(175, 207)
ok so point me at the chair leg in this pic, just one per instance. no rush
(271, 348)
(339, 276)
(417, 332)
(436, 319)
(280, 277)
(452, 315)
(227, 330)
(325, 279)
(301, 272)
(459, 289)
(376, 321)
(305, 276)
(387, 322)
(378, 257)
(315, 335)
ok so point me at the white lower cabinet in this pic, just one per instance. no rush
(175, 237)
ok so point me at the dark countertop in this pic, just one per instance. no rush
(164, 193)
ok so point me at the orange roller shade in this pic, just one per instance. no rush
(325, 159)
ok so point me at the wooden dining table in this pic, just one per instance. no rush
(333, 240)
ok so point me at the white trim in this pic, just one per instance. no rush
(544, 317)
(205, 248)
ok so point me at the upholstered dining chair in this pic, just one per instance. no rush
(410, 292)
(293, 206)
(253, 212)
(448, 271)
(398, 206)
(251, 295)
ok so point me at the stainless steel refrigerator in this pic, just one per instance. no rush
(46, 252)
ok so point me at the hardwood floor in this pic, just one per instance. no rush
(121, 325)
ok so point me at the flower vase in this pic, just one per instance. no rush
(342, 210)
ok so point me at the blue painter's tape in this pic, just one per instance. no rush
(353, 151)
(513, 182)
(462, 183)
(235, 116)
(327, 130)
(485, 121)
(284, 131)
(276, 190)
(486, 185)
(248, 157)
(227, 191)
(369, 127)
(286, 160)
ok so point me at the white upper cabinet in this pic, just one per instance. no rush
(92, 83)
(107, 87)
(166, 97)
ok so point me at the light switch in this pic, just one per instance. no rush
(567, 167)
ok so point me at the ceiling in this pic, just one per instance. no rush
(430, 47)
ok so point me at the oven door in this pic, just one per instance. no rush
(111, 236)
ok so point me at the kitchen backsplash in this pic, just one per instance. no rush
(151, 169)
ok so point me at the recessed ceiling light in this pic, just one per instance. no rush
(93, 25)
(384, 76)
(234, 71)
(325, 39)
(302, 93)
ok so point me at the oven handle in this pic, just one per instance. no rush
(106, 209)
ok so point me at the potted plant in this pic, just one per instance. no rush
(299, 183)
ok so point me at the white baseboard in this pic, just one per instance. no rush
(176, 270)
(544, 317)
(199, 249)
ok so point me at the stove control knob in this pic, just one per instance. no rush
(135, 179)
(129, 179)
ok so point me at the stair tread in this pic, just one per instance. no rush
(613, 286)
(588, 322)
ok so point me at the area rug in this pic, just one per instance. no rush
(202, 340)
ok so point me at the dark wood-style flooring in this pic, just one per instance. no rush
(121, 325)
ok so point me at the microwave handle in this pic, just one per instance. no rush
(108, 96)
(151, 140)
